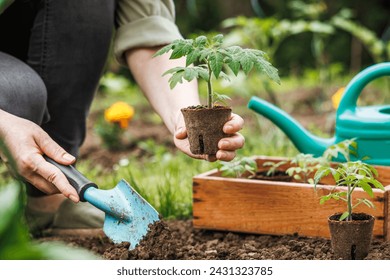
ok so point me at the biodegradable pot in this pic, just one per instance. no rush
(204, 127)
(351, 240)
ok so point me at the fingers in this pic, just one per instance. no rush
(181, 133)
(53, 150)
(225, 155)
(227, 147)
(231, 143)
(234, 125)
(48, 178)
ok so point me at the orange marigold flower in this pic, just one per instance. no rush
(337, 97)
(119, 112)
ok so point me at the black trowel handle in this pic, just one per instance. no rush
(75, 178)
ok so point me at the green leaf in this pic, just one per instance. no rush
(234, 66)
(218, 39)
(262, 65)
(190, 74)
(200, 41)
(220, 98)
(377, 184)
(344, 216)
(297, 177)
(216, 63)
(204, 55)
(176, 78)
(366, 187)
(246, 63)
(321, 173)
(325, 198)
(9, 204)
(163, 50)
(203, 73)
(192, 56)
(367, 202)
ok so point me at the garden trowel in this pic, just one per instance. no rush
(128, 215)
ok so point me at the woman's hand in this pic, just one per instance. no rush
(227, 146)
(26, 142)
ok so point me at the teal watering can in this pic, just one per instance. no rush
(370, 125)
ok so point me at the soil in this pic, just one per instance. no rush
(277, 176)
(178, 240)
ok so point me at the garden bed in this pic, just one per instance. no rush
(178, 240)
(271, 207)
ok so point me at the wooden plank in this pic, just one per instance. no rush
(386, 226)
(266, 207)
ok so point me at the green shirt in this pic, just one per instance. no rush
(140, 23)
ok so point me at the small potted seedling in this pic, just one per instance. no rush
(351, 232)
(207, 59)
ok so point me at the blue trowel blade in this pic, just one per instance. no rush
(128, 215)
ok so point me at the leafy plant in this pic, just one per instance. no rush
(304, 165)
(342, 150)
(352, 175)
(210, 57)
(273, 166)
(238, 167)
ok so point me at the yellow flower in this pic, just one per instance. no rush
(119, 112)
(337, 97)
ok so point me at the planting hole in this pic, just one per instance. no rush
(201, 144)
(353, 252)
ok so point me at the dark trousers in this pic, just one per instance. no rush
(52, 54)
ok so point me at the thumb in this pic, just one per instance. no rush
(181, 133)
(54, 151)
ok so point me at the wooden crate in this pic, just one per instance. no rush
(277, 208)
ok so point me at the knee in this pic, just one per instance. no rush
(22, 91)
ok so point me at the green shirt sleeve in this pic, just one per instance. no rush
(144, 23)
(4, 5)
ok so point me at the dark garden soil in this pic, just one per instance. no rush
(178, 240)
(280, 176)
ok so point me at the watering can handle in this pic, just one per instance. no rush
(78, 181)
(356, 85)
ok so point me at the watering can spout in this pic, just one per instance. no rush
(303, 140)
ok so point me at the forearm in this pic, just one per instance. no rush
(148, 71)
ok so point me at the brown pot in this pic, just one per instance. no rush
(204, 128)
(351, 240)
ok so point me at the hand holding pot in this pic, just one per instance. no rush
(227, 146)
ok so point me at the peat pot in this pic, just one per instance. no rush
(204, 128)
(351, 240)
